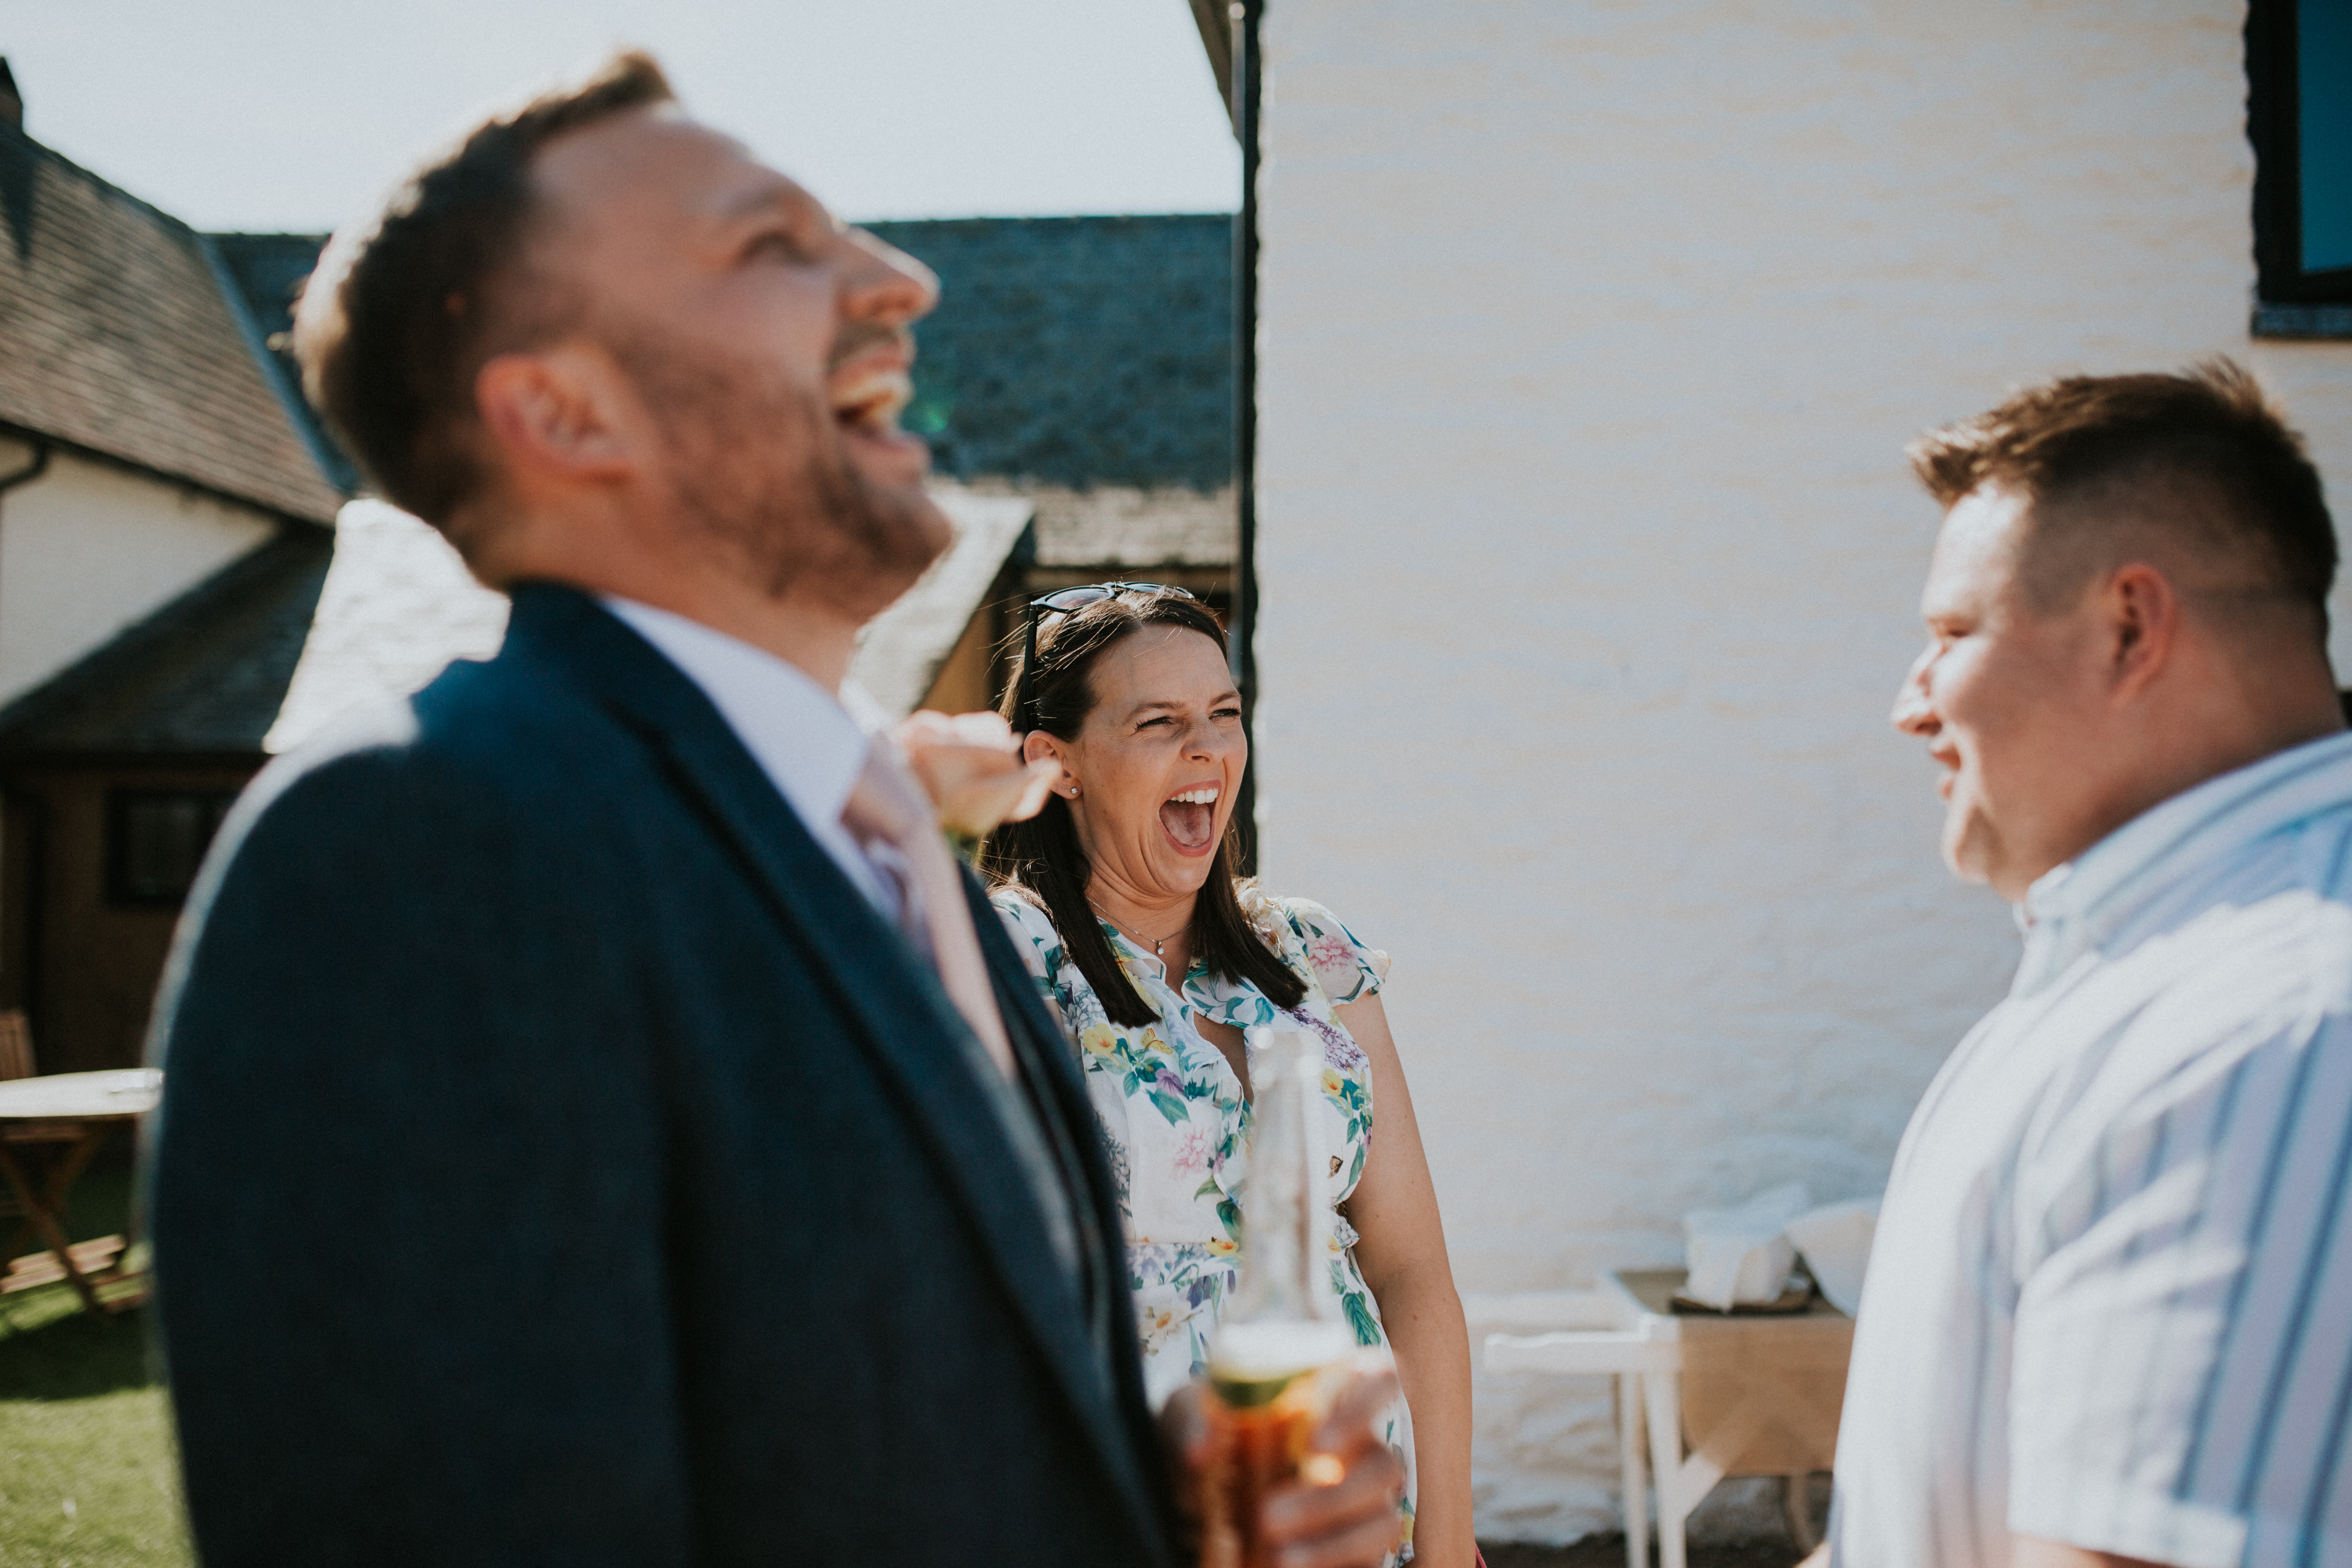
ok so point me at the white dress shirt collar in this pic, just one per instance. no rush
(811, 743)
(2080, 904)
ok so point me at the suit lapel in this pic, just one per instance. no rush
(1052, 1061)
(893, 1000)
(1061, 1079)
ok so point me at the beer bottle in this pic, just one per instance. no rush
(1283, 1347)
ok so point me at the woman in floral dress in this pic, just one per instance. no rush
(1162, 963)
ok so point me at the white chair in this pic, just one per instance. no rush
(1775, 1414)
(1646, 1371)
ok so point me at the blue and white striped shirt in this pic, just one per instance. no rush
(2110, 1302)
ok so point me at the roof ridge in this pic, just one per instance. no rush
(101, 180)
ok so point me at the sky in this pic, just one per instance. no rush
(266, 115)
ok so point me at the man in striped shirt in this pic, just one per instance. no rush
(2109, 1315)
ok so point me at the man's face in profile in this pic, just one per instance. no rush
(768, 345)
(2005, 696)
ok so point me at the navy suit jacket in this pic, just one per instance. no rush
(561, 1162)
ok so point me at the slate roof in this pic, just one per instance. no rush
(1078, 351)
(205, 675)
(267, 270)
(1083, 364)
(117, 336)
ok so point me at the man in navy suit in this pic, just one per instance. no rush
(575, 1150)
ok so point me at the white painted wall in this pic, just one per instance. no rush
(86, 549)
(1591, 336)
(397, 606)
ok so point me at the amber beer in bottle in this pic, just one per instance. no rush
(1283, 1350)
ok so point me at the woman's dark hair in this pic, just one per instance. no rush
(1041, 858)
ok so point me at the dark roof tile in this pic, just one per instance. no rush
(267, 271)
(206, 674)
(1078, 351)
(117, 336)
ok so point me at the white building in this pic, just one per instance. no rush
(1590, 334)
(158, 487)
(144, 441)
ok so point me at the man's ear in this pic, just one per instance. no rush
(2142, 612)
(556, 412)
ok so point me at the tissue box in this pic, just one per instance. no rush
(1835, 1239)
(1742, 1255)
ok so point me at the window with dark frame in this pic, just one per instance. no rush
(2299, 80)
(155, 840)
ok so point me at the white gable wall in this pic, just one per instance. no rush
(86, 549)
(1590, 337)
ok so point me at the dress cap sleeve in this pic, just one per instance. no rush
(1344, 967)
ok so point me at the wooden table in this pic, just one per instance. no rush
(69, 1114)
(1720, 1394)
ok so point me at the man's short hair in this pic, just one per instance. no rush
(2203, 452)
(406, 306)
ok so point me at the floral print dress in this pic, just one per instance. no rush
(1175, 1121)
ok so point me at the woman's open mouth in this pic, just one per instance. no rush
(1189, 816)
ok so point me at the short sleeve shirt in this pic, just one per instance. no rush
(2110, 1302)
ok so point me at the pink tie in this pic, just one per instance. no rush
(888, 806)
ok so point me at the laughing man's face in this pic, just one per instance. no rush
(769, 344)
(2007, 698)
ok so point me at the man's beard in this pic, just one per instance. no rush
(757, 466)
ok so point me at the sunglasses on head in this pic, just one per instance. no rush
(1061, 603)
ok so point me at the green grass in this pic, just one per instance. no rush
(87, 1473)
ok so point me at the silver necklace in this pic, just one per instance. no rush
(1158, 946)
